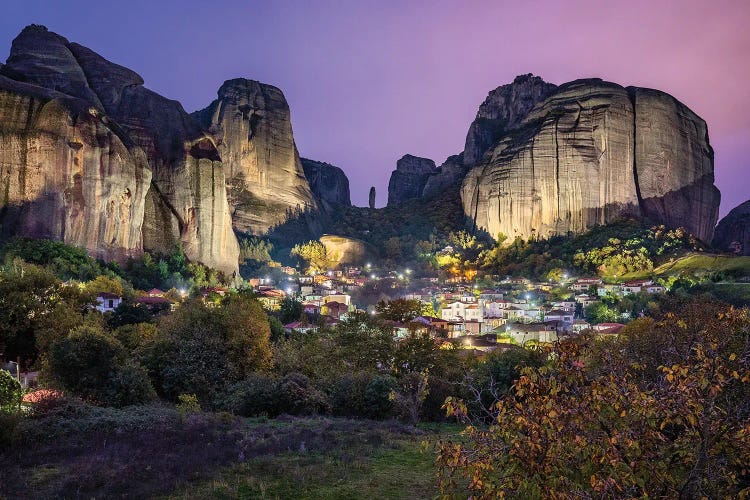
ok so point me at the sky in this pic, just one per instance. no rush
(368, 82)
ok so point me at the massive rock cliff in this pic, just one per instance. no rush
(409, 179)
(66, 173)
(328, 183)
(103, 162)
(250, 122)
(591, 152)
(733, 231)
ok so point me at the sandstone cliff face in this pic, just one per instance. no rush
(251, 125)
(185, 201)
(66, 174)
(409, 179)
(503, 110)
(328, 183)
(590, 153)
(733, 231)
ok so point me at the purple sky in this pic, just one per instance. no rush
(370, 81)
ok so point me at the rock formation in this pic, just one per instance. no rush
(733, 231)
(409, 179)
(250, 122)
(328, 183)
(372, 197)
(66, 173)
(590, 152)
(345, 250)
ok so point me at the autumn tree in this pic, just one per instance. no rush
(663, 412)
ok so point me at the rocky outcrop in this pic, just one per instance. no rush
(371, 197)
(449, 174)
(590, 153)
(250, 123)
(503, 110)
(328, 183)
(344, 250)
(733, 231)
(66, 173)
(409, 179)
(183, 199)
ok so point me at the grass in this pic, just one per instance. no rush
(145, 452)
(698, 265)
(404, 469)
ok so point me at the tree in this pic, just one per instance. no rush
(199, 350)
(11, 392)
(400, 310)
(602, 422)
(315, 255)
(290, 310)
(36, 308)
(93, 365)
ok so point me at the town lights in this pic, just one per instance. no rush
(408, 271)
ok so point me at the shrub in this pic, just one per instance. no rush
(91, 364)
(254, 396)
(299, 397)
(188, 403)
(11, 392)
(378, 403)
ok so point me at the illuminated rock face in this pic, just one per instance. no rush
(590, 153)
(66, 174)
(134, 141)
(733, 231)
(250, 123)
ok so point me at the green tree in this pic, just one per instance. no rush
(11, 392)
(92, 365)
(400, 310)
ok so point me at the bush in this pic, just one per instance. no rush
(378, 403)
(299, 397)
(91, 364)
(252, 397)
(347, 394)
(11, 392)
(263, 396)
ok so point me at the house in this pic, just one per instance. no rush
(311, 308)
(155, 303)
(635, 286)
(271, 299)
(334, 309)
(431, 323)
(604, 290)
(608, 329)
(338, 297)
(580, 325)
(107, 302)
(586, 300)
(583, 284)
(472, 327)
(492, 322)
(300, 326)
(521, 333)
(458, 310)
(565, 317)
(496, 307)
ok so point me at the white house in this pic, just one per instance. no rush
(456, 311)
(107, 302)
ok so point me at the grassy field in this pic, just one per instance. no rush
(698, 265)
(401, 469)
(154, 452)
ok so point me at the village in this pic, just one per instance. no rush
(510, 312)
